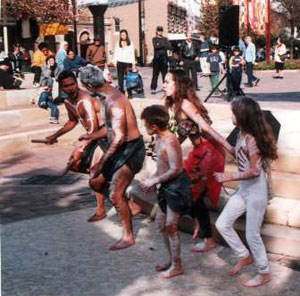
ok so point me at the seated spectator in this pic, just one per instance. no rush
(61, 54)
(7, 80)
(38, 61)
(73, 62)
(17, 59)
(49, 88)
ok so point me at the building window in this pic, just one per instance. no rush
(117, 24)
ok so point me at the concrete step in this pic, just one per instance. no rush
(17, 97)
(285, 185)
(28, 80)
(20, 139)
(278, 239)
(24, 116)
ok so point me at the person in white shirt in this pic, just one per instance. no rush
(124, 59)
(280, 52)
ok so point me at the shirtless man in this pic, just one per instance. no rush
(125, 154)
(174, 195)
(82, 107)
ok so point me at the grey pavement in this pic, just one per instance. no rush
(48, 248)
(283, 94)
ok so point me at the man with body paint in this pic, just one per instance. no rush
(82, 107)
(126, 151)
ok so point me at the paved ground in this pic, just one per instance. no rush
(283, 93)
(48, 248)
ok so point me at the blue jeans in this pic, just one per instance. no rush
(249, 71)
(45, 102)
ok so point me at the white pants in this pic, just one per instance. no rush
(204, 66)
(251, 198)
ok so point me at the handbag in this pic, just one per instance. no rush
(282, 57)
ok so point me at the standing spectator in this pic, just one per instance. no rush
(38, 61)
(161, 46)
(190, 55)
(16, 58)
(280, 54)
(7, 81)
(214, 61)
(95, 54)
(61, 54)
(73, 62)
(124, 59)
(49, 85)
(250, 57)
(204, 51)
(242, 46)
(236, 63)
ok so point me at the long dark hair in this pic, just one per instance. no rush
(184, 89)
(251, 120)
(127, 38)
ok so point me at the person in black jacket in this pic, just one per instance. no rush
(160, 60)
(189, 54)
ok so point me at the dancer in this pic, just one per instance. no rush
(125, 154)
(174, 196)
(82, 107)
(207, 155)
(254, 150)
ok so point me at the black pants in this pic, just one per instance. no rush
(190, 67)
(249, 71)
(158, 67)
(37, 74)
(236, 79)
(201, 213)
(121, 70)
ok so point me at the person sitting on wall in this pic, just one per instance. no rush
(7, 80)
(73, 62)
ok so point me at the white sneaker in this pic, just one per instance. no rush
(54, 121)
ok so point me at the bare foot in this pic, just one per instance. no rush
(122, 244)
(240, 265)
(97, 217)
(134, 207)
(258, 280)
(204, 246)
(171, 272)
(163, 266)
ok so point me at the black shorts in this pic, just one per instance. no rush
(176, 194)
(279, 66)
(130, 153)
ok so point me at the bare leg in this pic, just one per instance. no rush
(98, 184)
(120, 181)
(161, 226)
(240, 265)
(174, 241)
(135, 208)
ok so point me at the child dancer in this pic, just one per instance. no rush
(254, 149)
(174, 195)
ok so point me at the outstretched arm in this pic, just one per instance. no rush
(68, 126)
(190, 110)
(251, 153)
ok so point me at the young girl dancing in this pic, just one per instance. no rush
(254, 150)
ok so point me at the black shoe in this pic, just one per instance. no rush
(153, 91)
(276, 77)
(280, 77)
(256, 81)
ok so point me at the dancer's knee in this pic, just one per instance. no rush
(93, 184)
(221, 225)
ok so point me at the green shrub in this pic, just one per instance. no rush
(289, 64)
